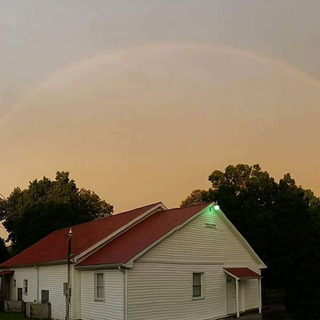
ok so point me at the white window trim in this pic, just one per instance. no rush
(202, 286)
(25, 286)
(96, 287)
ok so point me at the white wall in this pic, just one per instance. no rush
(19, 275)
(76, 295)
(164, 291)
(112, 306)
(196, 242)
(50, 278)
(251, 296)
(160, 286)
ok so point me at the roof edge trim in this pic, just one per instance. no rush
(35, 264)
(104, 266)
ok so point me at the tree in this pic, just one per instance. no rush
(282, 223)
(196, 197)
(45, 206)
(3, 251)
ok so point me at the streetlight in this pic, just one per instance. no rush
(70, 233)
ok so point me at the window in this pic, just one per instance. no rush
(98, 287)
(14, 283)
(197, 289)
(25, 287)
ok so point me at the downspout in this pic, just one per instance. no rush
(237, 297)
(125, 292)
(260, 295)
(38, 298)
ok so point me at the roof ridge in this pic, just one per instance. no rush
(107, 217)
(189, 206)
(148, 205)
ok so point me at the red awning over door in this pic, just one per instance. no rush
(242, 273)
(6, 273)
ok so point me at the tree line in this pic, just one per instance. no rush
(280, 220)
(45, 206)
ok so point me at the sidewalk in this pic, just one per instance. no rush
(253, 316)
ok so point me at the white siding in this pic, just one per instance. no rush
(196, 242)
(112, 306)
(76, 295)
(164, 291)
(19, 275)
(50, 278)
(251, 295)
(160, 285)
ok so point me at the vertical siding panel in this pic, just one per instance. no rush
(112, 306)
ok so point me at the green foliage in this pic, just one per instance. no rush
(45, 206)
(4, 254)
(282, 223)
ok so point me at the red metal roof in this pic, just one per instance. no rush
(129, 244)
(6, 273)
(242, 273)
(54, 246)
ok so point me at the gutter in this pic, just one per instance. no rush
(125, 292)
(32, 264)
(103, 266)
(37, 268)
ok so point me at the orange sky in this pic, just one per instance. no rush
(149, 122)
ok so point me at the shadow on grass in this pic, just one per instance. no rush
(11, 316)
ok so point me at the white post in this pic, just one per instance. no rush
(237, 298)
(260, 295)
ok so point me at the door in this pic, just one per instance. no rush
(231, 295)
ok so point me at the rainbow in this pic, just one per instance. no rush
(118, 54)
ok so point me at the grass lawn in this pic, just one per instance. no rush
(11, 316)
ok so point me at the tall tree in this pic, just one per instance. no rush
(45, 206)
(282, 223)
(3, 251)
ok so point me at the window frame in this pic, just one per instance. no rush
(96, 286)
(25, 287)
(202, 296)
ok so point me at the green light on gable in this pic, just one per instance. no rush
(214, 207)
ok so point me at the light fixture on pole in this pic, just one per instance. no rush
(69, 234)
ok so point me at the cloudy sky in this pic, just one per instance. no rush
(142, 100)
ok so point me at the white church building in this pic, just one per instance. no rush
(149, 263)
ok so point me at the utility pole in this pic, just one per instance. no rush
(68, 281)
